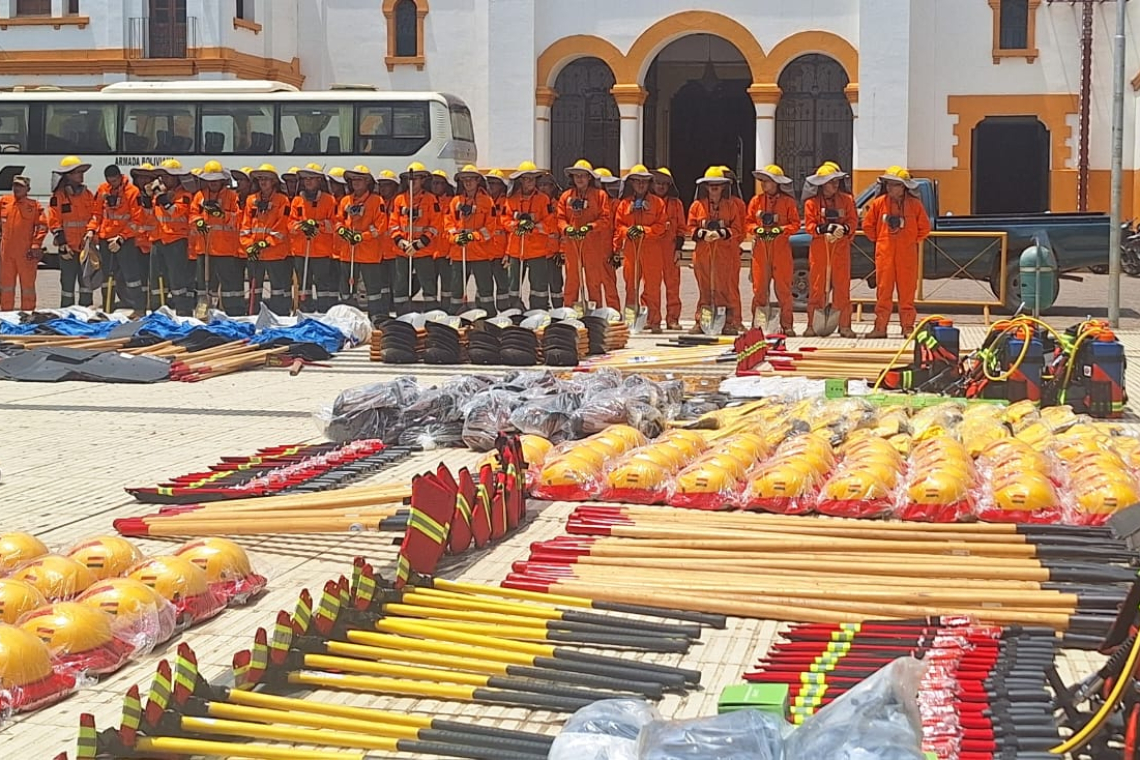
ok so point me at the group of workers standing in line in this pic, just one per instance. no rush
(167, 234)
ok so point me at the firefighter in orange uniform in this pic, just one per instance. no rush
(773, 218)
(23, 228)
(497, 189)
(338, 188)
(585, 215)
(117, 221)
(314, 215)
(387, 187)
(171, 249)
(470, 225)
(147, 231)
(216, 218)
(414, 223)
(716, 225)
(897, 223)
(69, 211)
(363, 222)
(265, 235)
(831, 220)
(548, 186)
(672, 244)
(533, 228)
(639, 225)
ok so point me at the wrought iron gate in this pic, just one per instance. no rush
(584, 121)
(814, 122)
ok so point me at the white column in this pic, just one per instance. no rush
(765, 134)
(542, 136)
(630, 101)
(854, 138)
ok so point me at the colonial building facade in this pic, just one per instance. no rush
(981, 95)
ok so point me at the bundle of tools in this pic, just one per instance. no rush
(834, 571)
(983, 695)
(438, 640)
(852, 457)
(275, 470)
(101, 604)
(1020, 359)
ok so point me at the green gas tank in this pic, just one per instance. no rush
(1037, 272)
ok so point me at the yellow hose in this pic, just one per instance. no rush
(902, 348)
(1093, 726)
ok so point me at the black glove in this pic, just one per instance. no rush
(145, 201)
(253, 252)
(634, 232)
(201, 226)
(422, 242)
(213, 208)
(678, 242)
(112, 201)
(349, 235)
(309, 228)
(526, 225)
(59, 239)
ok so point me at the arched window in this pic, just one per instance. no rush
(405, 19)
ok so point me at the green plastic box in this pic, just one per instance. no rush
(771, 698)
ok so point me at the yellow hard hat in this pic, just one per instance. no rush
(937, 487)
(637, 473)
(222, 560)
(416, 167)
(1106, 498)
(16, 598)
(582, 165)
(70, 162)
(360, 171)
(727, 461)
(24, 659)
(292, 170)
(196, 171)
(784, 480)
(55, 576)
(855, 485)
(212, 167)
(664, 170)
(264, 170)
(639, 170)
(314, 167)
(336, 174)
(535, 447)
(834, 167)
(527, 166)
(591, 455)
(440, 173)
(387, 175)
(146, 167)
(1028, 493)
(663, 455)
(17, 548)
(106, 556)
(123, 597)
(898, 174)
(468, 170)
(602, 171)
(246, 170)
(311, 170)
(705, 477)
(70, 629)
(747, 445)
(714, 174)
(630, 435)
(175, 578)
(171, 163)
(774, 169)
(567, 471)
(496, 174)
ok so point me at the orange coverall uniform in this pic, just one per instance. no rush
(367, 216)
(589, 255)
(418, 221)
(23, 228)
(118, 214)
(267, 221)
(819, 212)
(642, 256)
(68, 216)
(499, 242)
(323, 270)
(717, 263)
(772, 254)
(172, 248)
(531, 250)
(478, 218)
(677, 227)
(897, 248)
(221, 214)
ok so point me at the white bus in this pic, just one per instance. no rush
(240, 123)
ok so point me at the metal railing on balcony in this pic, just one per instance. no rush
(152, 37)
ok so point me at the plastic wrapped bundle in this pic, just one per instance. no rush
(18, 548)
(715, 479)
(184, 584)
(573, 471)
(81, 638)
(645, 474)
(1020, 486)
(28, 679)
(137, 608)
(789, 482)
(106, 556)
(551, 417)
(486, 416)
(604, 730)
(227, 568)
(58, 578)
(18, 598)
(863, 484)
(942, 483)
(876, 720)
(370, 411)
(740, 735)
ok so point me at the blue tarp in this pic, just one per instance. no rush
(161, 326)
(306, 331)
(62, 326)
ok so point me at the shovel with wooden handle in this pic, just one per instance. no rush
(825, 321)
(637, 316)
(713, 317)
(766, 316)
(203, 306)
(580, 306)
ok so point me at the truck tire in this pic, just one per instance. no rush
(1013, 288)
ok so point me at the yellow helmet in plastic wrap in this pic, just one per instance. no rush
(938, 487)
(855, 485)
(726, 460)
(175, 578)
(704, 477)
(70, 628)
(106, 556)
(1099, 459)
(609, 446)
(884, 470)
(1107, 498)
(690, 447)
(1018, 411)
(220, 558)
(662, 455)
(902, 443)
(813, 448)
(567, 471)
(637, 474)
(694, 437)
(17, 548)
(750, 447)
(16, 598)
(1028, 494)
(1001, 478)
(1059, 418)
(122, 597)
(534, 448)
(1036, 434)
(24, 659)
(784, 480)
(55, 576)
(630, 435)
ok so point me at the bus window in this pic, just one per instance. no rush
(392, 130)
(461, 127)
(230, 128)
(316, 129)
(79, 128)
(164, 129)
(13, 129)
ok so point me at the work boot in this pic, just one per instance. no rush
(876, 334)
(810, 332)
(696, 329)
(789, 331)
(673, 326)
(656, 330)
(730, 330)
(906, 331)
(846, 332)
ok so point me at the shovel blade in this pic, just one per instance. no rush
(636, 319)
(706, 321)
(825, 321)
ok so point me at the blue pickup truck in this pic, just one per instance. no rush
(1078, 240)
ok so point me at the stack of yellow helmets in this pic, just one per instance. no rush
(574, 470)
(1020, 483)
(714, 479)
(1099, 479)
(942, 481)
(864, 482)
(643, 475)
(789, 481)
